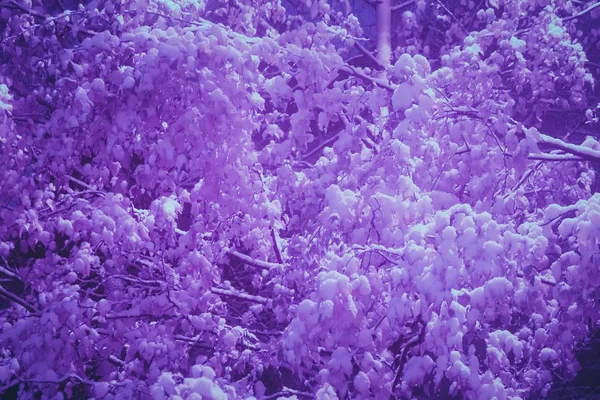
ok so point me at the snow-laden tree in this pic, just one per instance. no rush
(258, 199)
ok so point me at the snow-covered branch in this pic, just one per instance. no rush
(577, 150)
(241, 296)
(254, 262)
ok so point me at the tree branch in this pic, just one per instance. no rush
(553, 157)
(582, 13)
(410, 344)
(453, 17)
(276, 246)
(9, 273)
(350, 70)
(362, 48)
(241, 296)
(18, 300)
(288, 392)
(321, 146)
(254, 262)
(402, 5)
(85, 186)
(580, 151)
(116, 361)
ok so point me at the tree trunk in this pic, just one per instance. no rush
(384, 32)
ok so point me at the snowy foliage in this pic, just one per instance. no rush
(212, 200)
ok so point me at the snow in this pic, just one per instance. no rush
(328, 289)
(416, 369)
(414, 253)
(517, 43)
(492, 249)
(362, 383)
(364, 286)
(402, 98)
(548, 354)
(171, 208)
(498, 288)
(128, 83)
(468, 238)
(341, 202)
(401, 150)
(326, 309)
(103, 306)
(98, 85)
